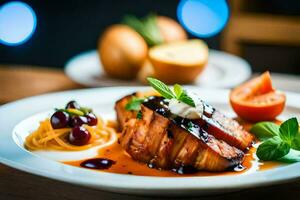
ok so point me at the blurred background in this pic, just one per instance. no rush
(66, 28)
(264, 33)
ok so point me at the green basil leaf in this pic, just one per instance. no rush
(162, 88)
(178, 90)
(186, 99)
(265, 130)
(272, 149)
(296, 142)
(292, 157)
(134, 104)
(289, 129)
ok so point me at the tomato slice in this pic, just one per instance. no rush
(256, 100)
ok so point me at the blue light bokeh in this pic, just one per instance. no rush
(17, 23)
(203, 18)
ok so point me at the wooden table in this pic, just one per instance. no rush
(25, 81)
(17, 82)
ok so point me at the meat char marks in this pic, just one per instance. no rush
(165, 141)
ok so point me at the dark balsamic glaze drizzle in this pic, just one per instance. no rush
(208, 110)
(239, 168)
(160, 106)
(151, 165)
(170, 134)
(208, 117)
(97, 163)
(185, 170)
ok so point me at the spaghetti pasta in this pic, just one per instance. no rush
(47, 138)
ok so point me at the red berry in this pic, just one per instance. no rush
(79, 136)
(59, 120)
(78, 121)
(91, 119)
(73, 104)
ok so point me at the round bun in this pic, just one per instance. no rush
(179, 62)
(122, 51)
(170, 29)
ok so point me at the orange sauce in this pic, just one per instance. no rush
(266, 165)
(126, 165)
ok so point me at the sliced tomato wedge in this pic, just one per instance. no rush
(256, 100)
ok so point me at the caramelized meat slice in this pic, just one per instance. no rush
(225, 128)
(204, 152)
(163, 143)
(124, 115)
(142, 139)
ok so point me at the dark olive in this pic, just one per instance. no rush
(59, 119)
(79, 136)
(78, 121)
(91, 119)
(73, 104)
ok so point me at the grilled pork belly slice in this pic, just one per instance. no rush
(224, 128)
(124, 115)
(204, 152)
(166, 142)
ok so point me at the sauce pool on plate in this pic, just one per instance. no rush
(114, 159)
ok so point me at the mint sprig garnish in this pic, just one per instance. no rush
(186, 99)
(277, 140)
(178, 92)
(162, 88)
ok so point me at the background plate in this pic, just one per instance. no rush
(221, 72)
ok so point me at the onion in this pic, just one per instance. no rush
(122, 51)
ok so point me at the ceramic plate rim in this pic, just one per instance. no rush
(128, 183)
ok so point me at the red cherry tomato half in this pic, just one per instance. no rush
(256, 100)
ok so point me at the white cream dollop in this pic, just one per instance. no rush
(186, 111)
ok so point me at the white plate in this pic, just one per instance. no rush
(223, 71)
(17, 119)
